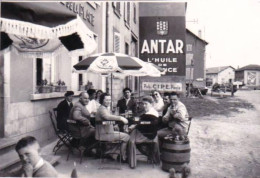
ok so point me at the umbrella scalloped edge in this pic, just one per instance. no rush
(27, 29)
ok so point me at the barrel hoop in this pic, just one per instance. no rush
(176, 151)
(177, 143)
(174, 163)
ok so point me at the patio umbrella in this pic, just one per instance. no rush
(107, 63)
(39, 28)
(148, 69)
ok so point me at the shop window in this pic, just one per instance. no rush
(116, 42)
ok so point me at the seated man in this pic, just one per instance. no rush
(82, 116)
(32, 163)
(176, 117)
(63, 111)
(127, 103)
(167, 103)
(145, 132)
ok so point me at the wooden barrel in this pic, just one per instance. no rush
(175, 154)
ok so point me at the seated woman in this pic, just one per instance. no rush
(145, 132)
(158, 101)
(107, 132)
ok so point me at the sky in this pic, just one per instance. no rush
(231, 27)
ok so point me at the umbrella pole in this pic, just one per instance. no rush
(111, 105)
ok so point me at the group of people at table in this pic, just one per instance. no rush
(149, 120)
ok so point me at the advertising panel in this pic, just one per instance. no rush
(162, 42)
(162, 86)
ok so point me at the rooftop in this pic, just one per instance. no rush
(215, 70)
(249, 67)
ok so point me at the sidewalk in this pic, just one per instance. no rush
(90, 166)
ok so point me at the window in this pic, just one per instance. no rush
(116, 6)
(136, 84)
(44, 70)
(116, 42)
(134, 12)
(80, 75)
(126, 48)
(189, 58)
(39, 71)
(127, 14)
(189, 47)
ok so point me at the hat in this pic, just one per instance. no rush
(69, 93)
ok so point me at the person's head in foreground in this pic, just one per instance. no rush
(174, 98)
(147, 103)
(33, 165)
(28, 150)
(105, 99)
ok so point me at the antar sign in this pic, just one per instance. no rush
(162, 42)
(162, 46)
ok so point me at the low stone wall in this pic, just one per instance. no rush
(30, 118)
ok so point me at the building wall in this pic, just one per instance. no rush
(26, 112)
(197, 55)
(239, 76)
(117, 24)
(174, 15)
(213, 77)
(225, 76)
(95, 23)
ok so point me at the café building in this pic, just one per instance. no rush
(36, 70)
(37, 63)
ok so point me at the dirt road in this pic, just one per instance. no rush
(227, 146)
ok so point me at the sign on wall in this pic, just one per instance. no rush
(161, 86)
(162, 42)
(251, 78)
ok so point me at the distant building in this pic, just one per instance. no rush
(195, 59)
(220, 75)
(249, 75)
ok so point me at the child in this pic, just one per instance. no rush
(32, 163)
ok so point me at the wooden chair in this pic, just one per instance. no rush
(104, 144)
(64, 137)
(78, 142)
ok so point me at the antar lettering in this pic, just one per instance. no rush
(162, 46)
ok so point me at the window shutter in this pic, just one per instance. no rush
(128, 12)
(117, 42)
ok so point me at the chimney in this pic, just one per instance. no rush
(199, 33)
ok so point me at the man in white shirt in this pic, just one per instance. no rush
(176, 117)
